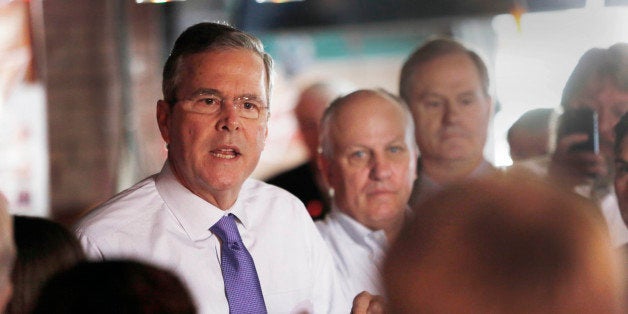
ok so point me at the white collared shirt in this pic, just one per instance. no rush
(616, 226)
(607, 204)
(358, 253)
(160, 221)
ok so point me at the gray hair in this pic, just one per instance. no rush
(205, 37)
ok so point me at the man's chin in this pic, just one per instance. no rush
(459, 155)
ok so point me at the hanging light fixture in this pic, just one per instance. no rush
(276, 1)
(155, 1)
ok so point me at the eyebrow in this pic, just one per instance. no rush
(430, 94)
(205, 91)
(251, 97)
(394, 141)
(212, 91)
(467, 93)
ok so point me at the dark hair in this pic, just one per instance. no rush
(621, 129)
(122, 286)
(44, 248)
(533, 121)
(595, 65)
(434, 49)
(205, 37)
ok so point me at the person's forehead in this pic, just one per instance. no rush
(360, 118)
(447, 70)
(311, 108)
(216, 66)
(366, 104)
(218, 57)
(596, 86)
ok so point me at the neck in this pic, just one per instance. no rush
(445, 172)
(223, 199)
(393, 231)
(394, 226)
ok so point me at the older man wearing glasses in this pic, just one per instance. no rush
(241, 245)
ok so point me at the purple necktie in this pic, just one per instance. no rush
(244, 293)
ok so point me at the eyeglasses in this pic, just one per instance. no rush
(203, 103)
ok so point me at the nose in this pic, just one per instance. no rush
(229, 118)
(380, 168)
(452, 112)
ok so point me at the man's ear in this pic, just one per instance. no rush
(164, 112)
(491, 106)
(324, 165)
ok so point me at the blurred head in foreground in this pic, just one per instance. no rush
(532, 135)
(128, 287)
(313, 100)
(7, 253)
(504, 245)
(44, 248)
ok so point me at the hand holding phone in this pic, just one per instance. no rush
(581, 121)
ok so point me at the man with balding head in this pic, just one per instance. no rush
(368, 157)
(446, 87)
(304, 181)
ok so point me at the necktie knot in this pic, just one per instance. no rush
(226, 229)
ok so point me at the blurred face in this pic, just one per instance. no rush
(309, 112)
(524, 145)
(609, 102)
(451, 110)
(373, 164)
(621, 178)
(213, 153)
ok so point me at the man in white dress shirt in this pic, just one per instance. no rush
(368, 157)
(213, 118)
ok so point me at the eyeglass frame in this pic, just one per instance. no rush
(237, 103)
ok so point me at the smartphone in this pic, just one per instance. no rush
(583, 121)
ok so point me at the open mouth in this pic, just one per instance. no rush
(225, 153)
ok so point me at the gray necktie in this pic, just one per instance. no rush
(242, 287)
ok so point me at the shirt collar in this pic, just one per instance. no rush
(194, 214)
(357, 231)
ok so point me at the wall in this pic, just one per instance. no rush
(90, 94)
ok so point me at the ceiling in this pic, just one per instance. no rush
(251, 15)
